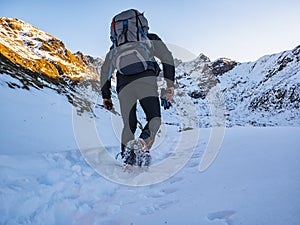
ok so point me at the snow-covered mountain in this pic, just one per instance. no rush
(265, 92)
(40, 52)
(261, 93)
(32, 59)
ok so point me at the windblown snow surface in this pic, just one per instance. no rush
(45, 179)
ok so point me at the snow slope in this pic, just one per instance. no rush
(44, 178)
(255, 180)
(267, 91)
(34, 121)
(261, 93)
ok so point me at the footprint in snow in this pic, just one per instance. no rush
(162, 193)
(175, 179)
(222, 215)
(193, 164)
(150, 209)
(158, 200)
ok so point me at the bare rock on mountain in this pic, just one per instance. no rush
(222, 65)
(40, 52)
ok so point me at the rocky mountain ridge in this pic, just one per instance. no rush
(40, 52)
(261, 93)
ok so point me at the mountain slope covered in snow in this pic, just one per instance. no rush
(261, 93)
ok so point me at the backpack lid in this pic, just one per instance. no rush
(130, 21)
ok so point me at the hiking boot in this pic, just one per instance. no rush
(129, 157)
(136, 153)
(131, 150)
(144, 159)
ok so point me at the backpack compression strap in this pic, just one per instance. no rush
(114, 38)
(140, 30)
(137, 24)
(125, 30)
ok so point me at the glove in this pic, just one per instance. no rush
(107, 103)
(166, 104)
(164, 98)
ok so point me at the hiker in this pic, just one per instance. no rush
(132, 55)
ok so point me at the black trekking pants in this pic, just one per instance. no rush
(143, 90)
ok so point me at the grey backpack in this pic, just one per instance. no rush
(131, 52)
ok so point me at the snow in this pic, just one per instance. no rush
(34, 121)
(251, 182)
(25, 36)
(46, 178)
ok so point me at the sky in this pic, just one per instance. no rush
(236, 29)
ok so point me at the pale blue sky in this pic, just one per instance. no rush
(237, 29)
